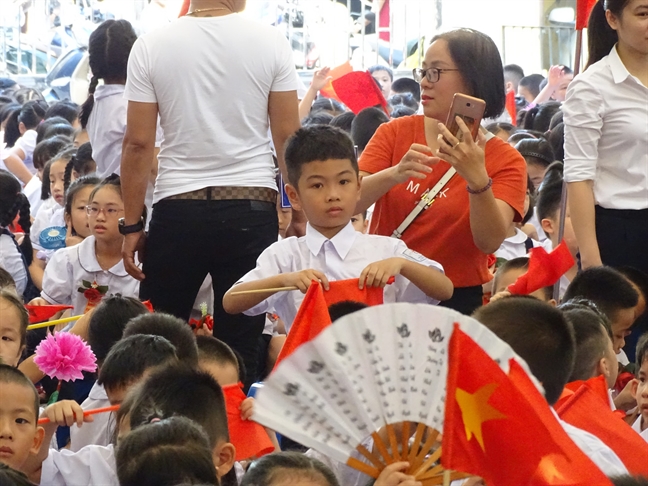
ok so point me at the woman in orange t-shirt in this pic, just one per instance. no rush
(471, 215)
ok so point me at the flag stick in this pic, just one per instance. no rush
(263, 291)
(53, 323)
(112, 408)
(446, 477)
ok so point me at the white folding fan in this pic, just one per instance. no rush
(379, 369)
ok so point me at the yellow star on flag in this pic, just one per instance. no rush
(552, 469)
(475, 410)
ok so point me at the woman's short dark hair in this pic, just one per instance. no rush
(480, 65)
(600, 36)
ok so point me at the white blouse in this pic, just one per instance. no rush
(606, 134)
(70, 267)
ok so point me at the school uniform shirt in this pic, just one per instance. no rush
(516, 246)
(43, 220)
(92, 465)
(606, 110)
(342, 257)
(637, 426)
(100, 430)
(11, 260)
(32, 191)
(69, 267)
(27, 143)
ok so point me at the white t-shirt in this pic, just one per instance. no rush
(100, 430)
(11, 261)
(342, 257)
(211, 78)
(27, 143)
(92, 465)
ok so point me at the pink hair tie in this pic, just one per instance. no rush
(154, 420)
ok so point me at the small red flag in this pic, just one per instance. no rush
(545, 269)
(249, 438)
(336, 73)
(511, 107)
(583, 11)
(358, 90)
(185, 8)
(489, 420)
(41, 313)
(586, 409)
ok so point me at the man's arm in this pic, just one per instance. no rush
(283, 110)
(136, 165)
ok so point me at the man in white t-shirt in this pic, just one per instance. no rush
(218, 82)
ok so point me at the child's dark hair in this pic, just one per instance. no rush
(609, 289)
(9, 374)
(496, 127)
(520, 135)
(171, 451)
(6, 280)
(592, 340)
(550, 192)
(557, 141)
(344, 308)
(30, 115)
(406, 99)
(45, 150)
(638, 278)
(642, 350)
(407, 85)
(113, 181)
(129, 358)
(317, 118)
(65, 109)
(279, 466)
(13, 202)
(379, 67)
(365, 124)
(400, 111)
(108, 321)
(73, 190)
(170, 327)
(539, 333)
(327, 104)
(82, 163)
(108, 47)
(45, 125)
(12, 299)
(184, 391)
(25, 95)
(215, 351)
(600, 36)
(63, 129)
(343, 121)
(318, 143)
(627, 480)
(66, 155)
(11, 477)
(539, 117)
(536, 151)
(520, 263)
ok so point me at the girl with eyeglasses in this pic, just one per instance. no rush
(472, 213)
(84, 274)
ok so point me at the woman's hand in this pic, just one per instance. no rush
(466, 156)
(415, 163)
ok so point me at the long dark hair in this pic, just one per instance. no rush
(600, 36)
(13, 202)
(109, 47)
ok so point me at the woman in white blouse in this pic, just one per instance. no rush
(606, 139)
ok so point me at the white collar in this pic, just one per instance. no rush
(88, 259)
(619, 72)
(518, 238)
(342, 242)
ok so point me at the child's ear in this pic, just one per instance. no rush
(603, 368)
(552, 303)
(547, 226)
(38, 440)
(634, 388)
(224, 457)
(293, 197)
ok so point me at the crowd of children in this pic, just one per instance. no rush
(60, 244)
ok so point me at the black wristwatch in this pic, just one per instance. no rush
(125, 229)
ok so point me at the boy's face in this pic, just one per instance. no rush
(327, 192)
(20, 435)
(224, 374)
(360, 223)
(10, 336)
(622, 321)
(640, 392)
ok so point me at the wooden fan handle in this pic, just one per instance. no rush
(363, 467)
(405, 438)
(420, 428)
(429, 442)
(439, 479)
(393, 443)
(382, 448)
(371, 457)
(431, 459)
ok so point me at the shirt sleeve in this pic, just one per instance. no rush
(91, 465)
(285, 75)
(379, 152)
(406, 291)
(138, 82)
(507, 168)
(583, 120)
(57, 280)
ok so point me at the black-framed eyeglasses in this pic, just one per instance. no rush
(431, 74)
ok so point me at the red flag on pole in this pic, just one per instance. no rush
(583, 10)
(545, 269)
(511, 107)
(358, 90)
(41, 313)
(489, 420)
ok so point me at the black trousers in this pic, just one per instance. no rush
(622, 237)
(465, 299)
(188, 239)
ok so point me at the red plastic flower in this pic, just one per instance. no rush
(64, 356)
(92, 295)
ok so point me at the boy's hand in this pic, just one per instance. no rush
(67, 412)
(303, 279)
(247, 408)
(392, 475)
(378, 273)
(38, 301)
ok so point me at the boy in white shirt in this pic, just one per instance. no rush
(640, 387)
(324, 183)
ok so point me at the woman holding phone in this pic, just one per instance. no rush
(472, 212)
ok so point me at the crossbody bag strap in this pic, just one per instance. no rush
(427, 198)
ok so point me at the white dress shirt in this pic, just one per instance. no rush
(515, 246)
(100, 430)
(342, 257)
(92, 465)
(637, 426)
(11, 260)
(606, 134)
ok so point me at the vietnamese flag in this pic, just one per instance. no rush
(505, 435)
(42, 313)
(545, 269)
(335, 73)
(583, 11)
(587, 410)
(249, 438)
(185, 8)
(511, 107)
(358, 90)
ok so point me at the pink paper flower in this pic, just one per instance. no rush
(64, 356)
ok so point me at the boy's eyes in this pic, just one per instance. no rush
(22, 421)
(7, 338)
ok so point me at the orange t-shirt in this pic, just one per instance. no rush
(441, 232)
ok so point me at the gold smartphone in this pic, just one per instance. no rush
(470, 110)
